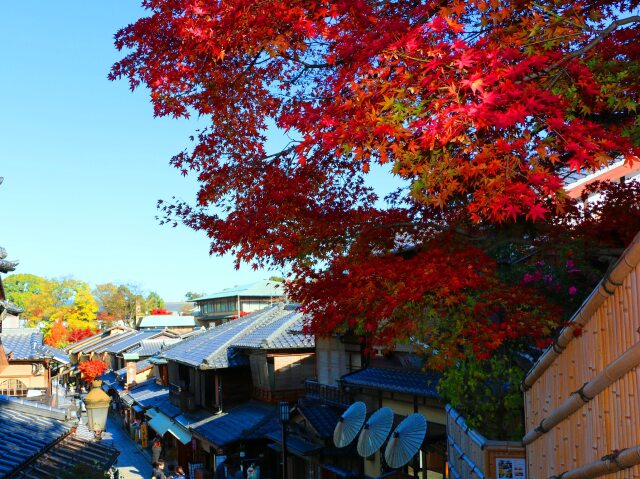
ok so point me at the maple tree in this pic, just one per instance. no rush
(479, 109)
(58, 335)
(91, 370)
(160, 311)
(76, 335)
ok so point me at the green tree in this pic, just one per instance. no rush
(190, 295)
(153, 301)
(120, 302)
(34, 294)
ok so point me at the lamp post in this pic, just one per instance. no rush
(283, 413)
(97, 404)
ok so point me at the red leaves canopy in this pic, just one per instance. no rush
(479, 107)
(91, 370)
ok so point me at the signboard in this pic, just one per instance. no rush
(131, 372)
(510, 468)
(144, 435)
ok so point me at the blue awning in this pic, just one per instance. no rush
(180, 433)
(160, 423)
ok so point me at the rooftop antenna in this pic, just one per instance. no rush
(406, 440)
(375, 431)
(349, 424)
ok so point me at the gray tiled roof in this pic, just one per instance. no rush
(149, 394)
(10, 307)
(57, 355)
(128, 340)
(151, 347)
(210, 350)
(29, 447)
(396, 380)
(98, 341)
(24, 435)
(322, 417)
(264, 288)
(24, 344)
(7, 266)
(283, 333)
(233, 425)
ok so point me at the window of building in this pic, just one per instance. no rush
(13, 387)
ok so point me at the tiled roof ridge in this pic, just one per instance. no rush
(98, 335)
(283, 328)
(19, 404)
(19, 330)
(269, 315)
(183, 342)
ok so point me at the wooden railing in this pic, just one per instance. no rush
(326, 393)
(267, 395)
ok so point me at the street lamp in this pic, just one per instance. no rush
(97, 404)
(283, 414)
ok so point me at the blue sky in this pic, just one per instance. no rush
(84, 160)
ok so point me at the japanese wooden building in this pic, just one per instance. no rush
(582, 399)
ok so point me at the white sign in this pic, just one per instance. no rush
(511, 468)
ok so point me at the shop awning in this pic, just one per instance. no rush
(137, 408)
(160, 423)
(151, 412)
(180, 433)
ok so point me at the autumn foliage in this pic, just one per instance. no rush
(478, 110)
(159, 311)
(58, 335)
(91, 370)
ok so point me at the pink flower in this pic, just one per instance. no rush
(572, 290)
(527, 278)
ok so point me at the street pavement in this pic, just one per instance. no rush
(132, 462)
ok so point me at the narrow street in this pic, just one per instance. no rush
(132, 463)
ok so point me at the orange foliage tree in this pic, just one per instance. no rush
(91, 370)
(58, 335)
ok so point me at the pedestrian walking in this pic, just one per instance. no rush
(158, 470)
(179, 474)
(156, 449)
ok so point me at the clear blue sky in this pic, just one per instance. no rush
(84, 160)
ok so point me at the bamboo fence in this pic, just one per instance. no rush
(582, 399)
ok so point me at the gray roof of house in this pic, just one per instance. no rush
(149, 394)
(10, 307)
(322, 417)
(283, 333)
(167, 321)
(397, 380)
(264, 288)
(99, 340)
(24, 343)
(57, 355)
(128, 341)
(211, 349)
(24, 435)
(151, 347)
(235, 424)
(29, 447)
(6, 266)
